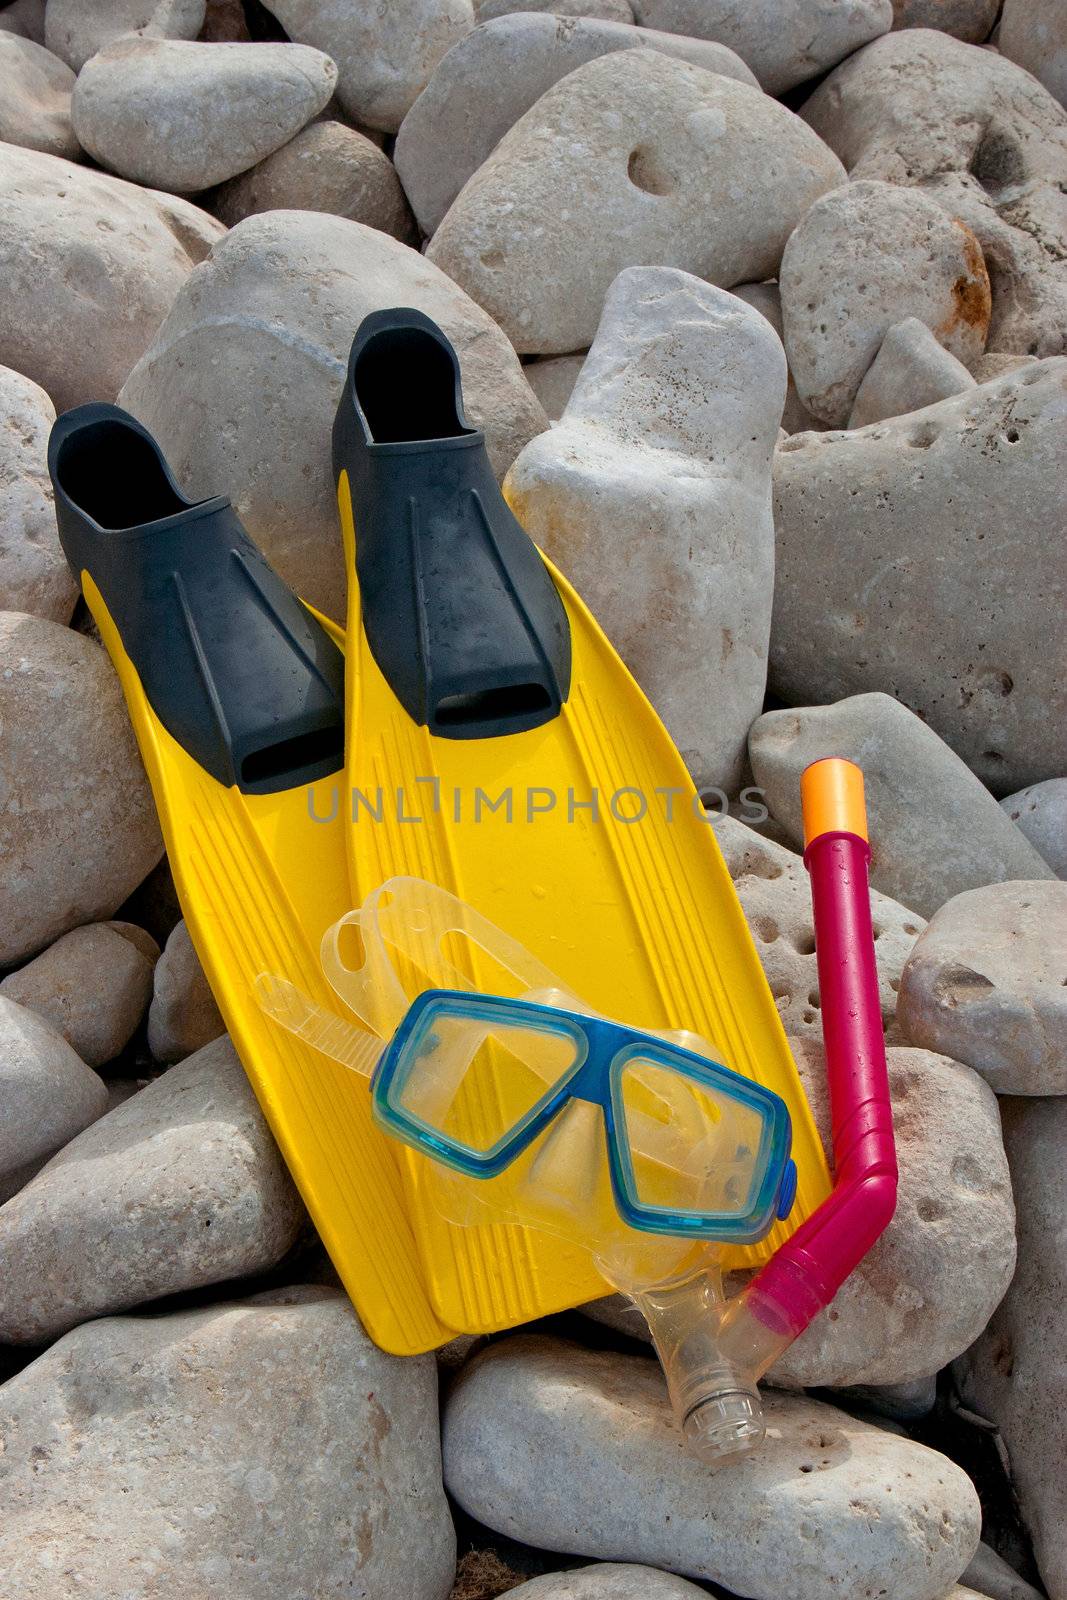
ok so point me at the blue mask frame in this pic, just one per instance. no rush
(602, 1051)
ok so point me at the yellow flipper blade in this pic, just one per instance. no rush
(259, 880)
(584, 840)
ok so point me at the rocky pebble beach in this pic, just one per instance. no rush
(762, 305)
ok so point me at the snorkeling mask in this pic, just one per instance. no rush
(639, 1146)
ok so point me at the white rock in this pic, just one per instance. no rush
(935, 829)
(552, 379)
(987, 984)
(572, 1449)
(984, 139)
(180, 1186)
(47, 1093)
(290, 288)
(929, 1285)
(24, 18)
(914, 527)
(1016, 1374)
(994, 1579)
(768, 302)
(997, 364)
(184, 116)
(90, 266)
(773, 887)
(327, 167)
(493, 76)
(1040, 812)
(35, 91)
(183, 1017)
(608, 1580)
(861, 259)
(970, 20)
(685, 168)
(782, 45)
(1033, 34)
(93, 985)
(34, 575)
(605, 10)
(653, 495)
(385, 53)
(77, 29)
(78, 829)
(259, 1449)
(911, 370)
(901, 110)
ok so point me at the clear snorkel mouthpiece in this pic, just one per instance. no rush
(715, 1399)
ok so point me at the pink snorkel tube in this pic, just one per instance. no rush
(807, 1272)
(714, 1350)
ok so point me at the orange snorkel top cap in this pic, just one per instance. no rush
(831, 795)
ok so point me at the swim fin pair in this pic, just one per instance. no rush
(472, 727)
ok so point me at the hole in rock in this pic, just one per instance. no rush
(997, 163)
(761, 867)
(646, 171)
(957, 985)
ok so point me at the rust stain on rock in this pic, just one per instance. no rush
(971, 293)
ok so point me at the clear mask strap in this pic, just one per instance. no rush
(324, 1030)
(406, 923)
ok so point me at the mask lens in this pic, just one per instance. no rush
(693, 1147)
(475, 1080)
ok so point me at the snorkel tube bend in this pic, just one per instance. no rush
(714, 1350)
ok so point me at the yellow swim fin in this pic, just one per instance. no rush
(497, 746)
(235, 691)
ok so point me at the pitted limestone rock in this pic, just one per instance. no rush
(929, 602)
(683, 167)
(493, 76)
(652, 493)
